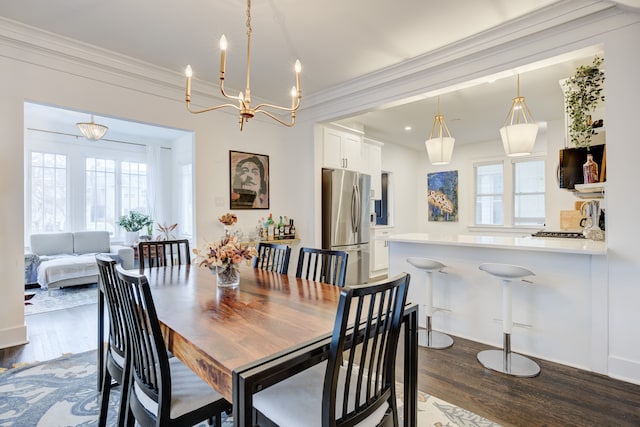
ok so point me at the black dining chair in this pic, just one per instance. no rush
(116, 365)
(163, 391)
(162, 253)
(322, 265)
(272, 257)
(357, 382)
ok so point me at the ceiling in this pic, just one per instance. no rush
(336, 41)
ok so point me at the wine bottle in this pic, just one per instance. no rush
(270, 228)
(287, 228)
(281, 229)
(292, 229)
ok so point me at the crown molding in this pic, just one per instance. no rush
(449, 65)
(36, 40)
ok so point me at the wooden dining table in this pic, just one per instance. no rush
(240, 340)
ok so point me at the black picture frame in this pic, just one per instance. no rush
(248, 180)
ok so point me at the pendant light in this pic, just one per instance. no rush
(92, 130)
(440, 143)
(519, 130)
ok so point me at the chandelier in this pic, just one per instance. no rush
(520, 129)
(243, 100)
(92, 130)
(440, 143)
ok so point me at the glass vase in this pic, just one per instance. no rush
(227, 276)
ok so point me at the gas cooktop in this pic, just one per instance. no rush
(560, 234)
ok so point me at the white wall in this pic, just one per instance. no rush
(403, 163)
(549, 141)
(48, 77)
(31, 74)
(506, 49)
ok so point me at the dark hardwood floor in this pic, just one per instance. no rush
(559, 396)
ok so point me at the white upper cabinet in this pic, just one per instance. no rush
(341, 150)
(372, 165)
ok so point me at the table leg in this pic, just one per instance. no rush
(242, 402)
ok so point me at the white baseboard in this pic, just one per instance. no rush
(624, 369)
(11, 337)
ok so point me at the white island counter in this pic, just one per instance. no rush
(563, 312)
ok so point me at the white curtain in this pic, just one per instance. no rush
(155, 193)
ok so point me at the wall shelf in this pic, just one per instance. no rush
(590, 191)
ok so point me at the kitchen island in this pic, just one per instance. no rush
(563, 312)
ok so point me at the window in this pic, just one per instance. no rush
(528, 195)
(100, 194)
(106, 198)
(48, 192)
(86, 193)
(511, 196)
(133, 184)
(489, 194)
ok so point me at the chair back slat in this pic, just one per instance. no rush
(161, 253)
(322, 265)
(365, 354)
(117, 322)
(150, 370)
(272, 257)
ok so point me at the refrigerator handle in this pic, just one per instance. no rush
(358, 209)
(354, 201)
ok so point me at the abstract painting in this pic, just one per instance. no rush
(442, 196)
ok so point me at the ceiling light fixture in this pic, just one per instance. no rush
(244, 100)
(92, 130)
(520, 129)
(440, 147)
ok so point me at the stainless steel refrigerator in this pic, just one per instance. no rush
(345, 219)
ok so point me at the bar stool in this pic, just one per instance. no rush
(429, 338)
(504, 360)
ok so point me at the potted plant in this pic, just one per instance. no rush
(583, 93)
(132, 223)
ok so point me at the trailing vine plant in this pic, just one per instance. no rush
(584, 92)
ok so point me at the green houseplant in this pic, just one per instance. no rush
(134, 221)
(583, 93)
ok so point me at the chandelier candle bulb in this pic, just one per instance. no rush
(188, 72)
(223, 56)
(298, 68)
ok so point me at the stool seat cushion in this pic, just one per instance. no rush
(426, 263)
(506, 271)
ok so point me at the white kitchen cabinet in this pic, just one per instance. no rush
(372, 165)
(379, 251)
(341, 150)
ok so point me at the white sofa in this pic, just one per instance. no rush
(68, 259)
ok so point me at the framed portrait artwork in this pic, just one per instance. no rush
(248, 180)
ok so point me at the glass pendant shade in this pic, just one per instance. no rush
(92, 131)
(440, 143)
(520, 129)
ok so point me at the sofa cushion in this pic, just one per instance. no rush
(60, 268)
(90, 242)
(52, 243)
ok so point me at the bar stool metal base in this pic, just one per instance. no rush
(508, 363)
(436, 340)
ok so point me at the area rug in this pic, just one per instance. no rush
(62, 392)
(61, 299)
